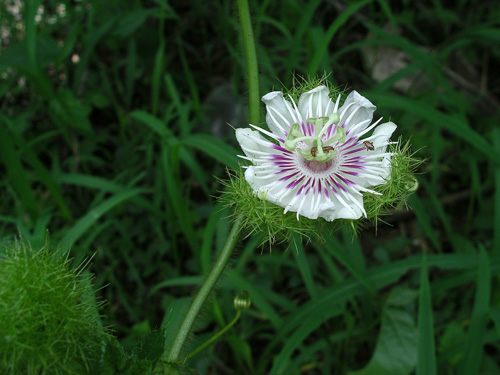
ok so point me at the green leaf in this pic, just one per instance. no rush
(305, 270)
(396, 349)
(311, 323)
(130, 21)
(114, 358)
(40, 170)
(158, 126)
(453, 124)
(473, 351)
(176, 312)
(143, 367)
(93, 215)
(16, 172)
(495, 316)
(426, 364)
(157, 75)
(320, 51)
(71, 112)
(152, 346)
(214, 148)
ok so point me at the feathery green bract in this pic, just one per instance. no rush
(49, 321)
(401, 184)
(301, 85)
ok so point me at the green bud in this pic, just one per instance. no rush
(49, 320)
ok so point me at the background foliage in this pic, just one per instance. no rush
(113, 125)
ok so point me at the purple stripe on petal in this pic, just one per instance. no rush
(303, 126)
(350, 173)
(355, 159)
(303, 186)
(345, 146)
(353, 151)
(325, 190)
(282, 165)
(339, 186)
(286, 178)
(353, 166)
(280, 157)
(331, 187)
(286, 170)
(294, 183)
(282, 149)
(350, 140)
(344, 180)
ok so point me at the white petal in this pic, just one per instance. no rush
(314, 103)
(332, 210)
(311, 205)
(381, 135)
(251, 143)
(257, 181)
(380, 139)
(280, 114)
(345, 213)
(361, 107)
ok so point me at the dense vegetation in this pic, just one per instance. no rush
(113, 132)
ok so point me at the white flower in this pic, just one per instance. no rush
(319, 165)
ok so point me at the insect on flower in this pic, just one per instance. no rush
(368, 145)
(317, 164)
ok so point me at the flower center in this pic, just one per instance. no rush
(317, 166)
(316, 148)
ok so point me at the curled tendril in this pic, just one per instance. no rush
(412, 187)
(242, 301)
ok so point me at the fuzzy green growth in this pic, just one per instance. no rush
(49, 321)
(267, 220)
(395, 192)
(301, 85)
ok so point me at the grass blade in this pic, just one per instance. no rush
(310, 324)
(319, 54)
(496, 218)
(93, 215)
(213, 147)
(441, 120)
(473, 352)
(395, 352)
(426, 363)
(16, 172)
(305, 270)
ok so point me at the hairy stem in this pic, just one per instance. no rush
(205, 290)
(251, 57)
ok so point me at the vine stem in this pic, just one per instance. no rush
(205, 290)
(251, 57)
(214, 338)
